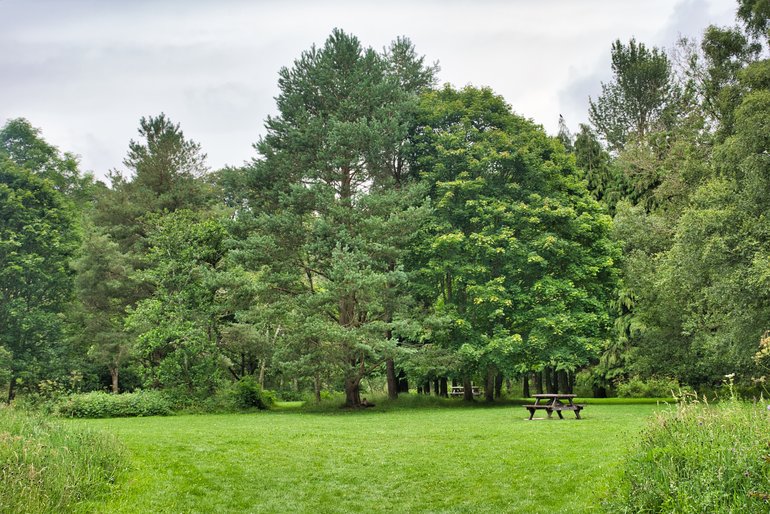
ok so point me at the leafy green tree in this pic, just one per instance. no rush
(717, 266)
(564, 135)
(166, 172)
(712, 72)
(519, 255)
(641, 90)
(24, 145)
(596, 166)
(755, 14)
(327, 212)
(104, 289)
(176, 327)
(37, 239)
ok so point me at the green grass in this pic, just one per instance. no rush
(52, 467)
(700, 458)
(398, 460)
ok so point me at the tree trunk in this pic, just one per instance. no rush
(262, 367)
(498, 385)
(561, 381)
(570, 382)
(352, 392)
(12, 388)
(538, 382)
(436, 391)
(467, 389)
(548, 375)
(443, 389)
(114, 372)
(403, 382)
(390, 368)
(426, 387)
(489, 387)
(317, 388)
(525, 386)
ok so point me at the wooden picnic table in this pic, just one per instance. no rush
(554, 402)
(460, 391)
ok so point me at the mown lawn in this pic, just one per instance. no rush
(411, 460)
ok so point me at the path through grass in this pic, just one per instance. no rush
(412, 460)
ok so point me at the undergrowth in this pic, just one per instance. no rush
(51, 467)
(98, 404)
(699, 458)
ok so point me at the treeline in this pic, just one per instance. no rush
(390, 228)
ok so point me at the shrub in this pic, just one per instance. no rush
(99, 404)
(650, 388)
(247, 393)
(52, 467)
(700, 458)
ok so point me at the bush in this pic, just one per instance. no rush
(99, 404)
(51, 467)
(247, 393)
(700, 458)
(650, 388)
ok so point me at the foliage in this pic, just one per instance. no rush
(636, 387)
(24, 145)
(247, 393)
(104, 289)
(48, 467)
(518, 263)
(176, 327)
(98, 404)
(641, 90)
(166, 172)
(326, 213)
(37, 239)
(699, 458)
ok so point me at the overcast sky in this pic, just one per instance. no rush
(85, 71)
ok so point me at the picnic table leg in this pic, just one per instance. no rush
(559, 413)
(549, 411)
(531, 413)
(577, 413)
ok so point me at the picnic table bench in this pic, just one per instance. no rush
(554, 403)
(460, 390)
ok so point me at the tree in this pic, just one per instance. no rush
(635, 100)
(167, 173)
(326, 219)
(596, 166)
(519, 255)
(755, 14)
(712, 72)
(176, 327)
(37, 239)
(104, 289)
(24, 145)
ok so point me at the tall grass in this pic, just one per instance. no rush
(700, 458)
(51, 467)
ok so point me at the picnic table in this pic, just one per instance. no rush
(554, 402)
(460, 391)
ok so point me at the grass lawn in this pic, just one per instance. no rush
(410, 460)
